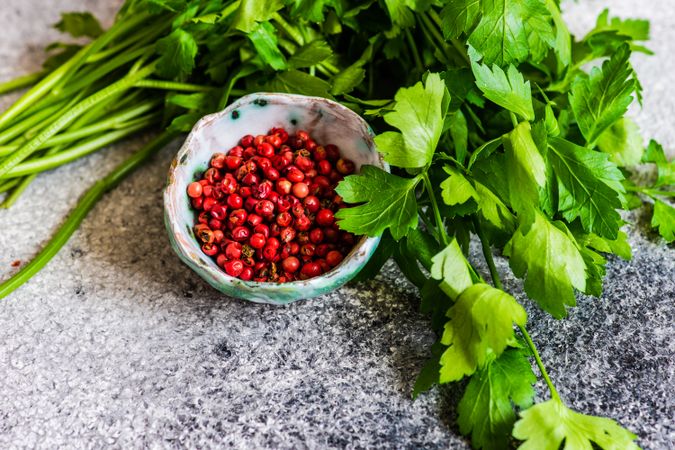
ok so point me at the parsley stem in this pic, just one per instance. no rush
(20, 82)
(84, 205)
(288, 29)
(487, 253)
(52, 161)
(514, 119)
(437, 213)
(69, 116)
(172, 86)
(413, 50)
(461, 49)
(496, 280)
(540, 364)
(435, 34)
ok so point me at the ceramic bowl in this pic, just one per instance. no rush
(327, 122)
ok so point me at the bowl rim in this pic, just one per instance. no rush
(183, 154)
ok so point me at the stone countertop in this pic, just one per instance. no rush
(117, 344)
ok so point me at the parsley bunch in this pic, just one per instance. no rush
(493, 126)
(510, 140)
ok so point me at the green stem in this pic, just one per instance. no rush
(540, 364)
(27, 149)
(9, 184)
(288, 29)
(428, 26)
(29, 122)
(413, 49)
(496, 280)
(80, 58)
(437, 213)
(52, 161)
(514, 119)
(459, 47)
(119, 120)
(172, 86)
(21, 82)
(487, 253)
(86, 204)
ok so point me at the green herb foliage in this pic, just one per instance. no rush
(485, 111)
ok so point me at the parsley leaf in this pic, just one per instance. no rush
(481, 324)
(502, 35)
(450, 266)
(664, 220)
(623, 142)
(418, 113)
(252, 11)
(485, 409)
(526, 169)
(456, 189)
(264, 38)
(563, 40)
(546, 425)
(79, 24)
(666, 170)
(400, 12)
(310, 54)
(550, 257)
(493, 209)
(388, 202)
(603, 98)
(508, 90)
(587, 187)
(177, 54)
(298, 82)
(458, 17)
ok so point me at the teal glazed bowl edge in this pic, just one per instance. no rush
(327, 121)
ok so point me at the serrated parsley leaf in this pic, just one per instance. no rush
(400, 12)
(481, 325)
(525, 168)
(252, 11)
(458, 17)
(388, 202)
(486, 410)
(665, 169)
(546, 425)
(79, 24)
(664, 220)
(346, 80)
(636, 29)
(298, 82)
(456, 189)
(493, 209)
(501, 36)
(603, 98)
(587, 187)
(450, 266)
(177, 54)
(623, 142)
(310, 54)
(508, 90)
(264, 39)
(418, 113)
(563, 39)
(549, 259)
(618, 246)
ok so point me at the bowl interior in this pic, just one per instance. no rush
(327, 122)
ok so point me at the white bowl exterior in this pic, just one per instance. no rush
(327, 122)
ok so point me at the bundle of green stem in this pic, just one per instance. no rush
(109, 89)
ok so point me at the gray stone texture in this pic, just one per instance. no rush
(117, 344)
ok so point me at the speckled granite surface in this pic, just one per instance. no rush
(115, 344)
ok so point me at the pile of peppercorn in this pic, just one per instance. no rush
(265, 210)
